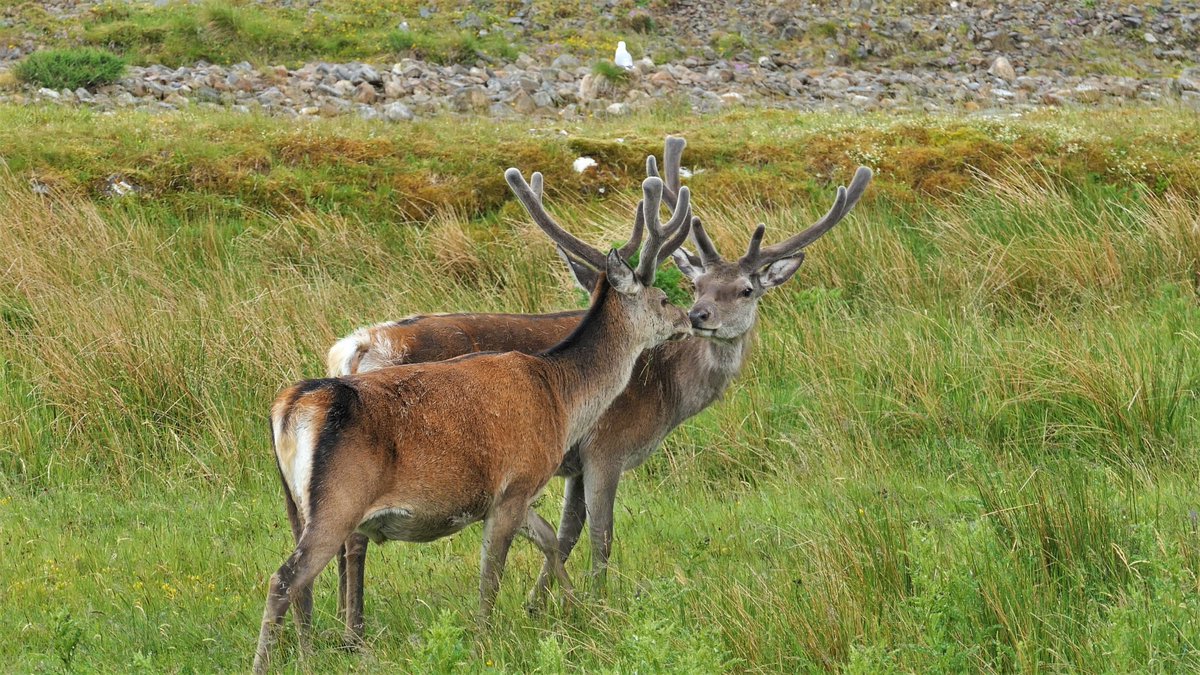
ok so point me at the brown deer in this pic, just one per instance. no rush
(671, 383)
(418, 452)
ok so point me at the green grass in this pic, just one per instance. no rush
(610, 71)
(228, 31)
(70, 68)
(965, 440)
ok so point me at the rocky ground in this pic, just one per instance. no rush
(860, 56)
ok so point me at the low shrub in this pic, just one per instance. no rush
(70, 68)
(610, 71)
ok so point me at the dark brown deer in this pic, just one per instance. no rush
(418, 452)
(671, 382)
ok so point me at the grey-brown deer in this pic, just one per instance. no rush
(671, 383)
(418, 452)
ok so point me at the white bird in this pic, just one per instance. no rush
(622, 57)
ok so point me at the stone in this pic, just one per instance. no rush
(469, 99)
(1189, 79)
(565, 62)
(592, 87)
(397, 112)
(662, 79)
(524, 104)
(1002, 69)
(365, 93)
(616, 109)
(862, 102)
(369, 74)
(392, 88)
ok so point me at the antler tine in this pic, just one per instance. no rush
(571, 245)
(708, 252)
(635, 239)
(672, 157)
(652, 189)
(846, 199)
(755, 242)
(535, 182)
(651, 167)
(677, 228)
(676, 240)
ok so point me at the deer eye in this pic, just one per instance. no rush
(746, 292)
(664, 302)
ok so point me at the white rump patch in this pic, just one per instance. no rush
(367, 348)
(306, 445)
(343, 354)
(294, 449)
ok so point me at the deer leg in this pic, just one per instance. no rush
(600, 493)
(499, 528)
(312, 554)
(569, 527)
(303, 602)
(356, 560)
(537, 530)
(341, 597)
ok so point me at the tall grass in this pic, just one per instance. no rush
(965, 440)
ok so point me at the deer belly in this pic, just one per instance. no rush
(401, 524)
(638, 456)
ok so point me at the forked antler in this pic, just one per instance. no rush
(757, 256)
(660, 241)
(660, 244)
(569, 245)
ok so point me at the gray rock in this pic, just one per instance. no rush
(469, 99)
(1189, 79)
(1002, 69)
(365, 93)
(397, 112)
(565, 62)
(524, 104)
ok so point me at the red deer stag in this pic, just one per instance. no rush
(672, 382)
(418, 452)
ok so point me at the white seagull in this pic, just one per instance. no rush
(622, 57)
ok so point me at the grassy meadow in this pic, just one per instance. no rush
(967, 439)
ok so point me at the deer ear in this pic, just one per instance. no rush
(584, 275)
(621, 275)
(687, 263)
(780, 271)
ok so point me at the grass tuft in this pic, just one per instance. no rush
(610, 71)
(70, 68)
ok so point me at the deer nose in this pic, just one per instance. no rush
(700, 315)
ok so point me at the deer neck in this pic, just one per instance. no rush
(592, 365)
(701, 369)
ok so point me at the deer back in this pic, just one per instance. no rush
(437, 337)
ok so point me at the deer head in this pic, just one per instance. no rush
(727, 291)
